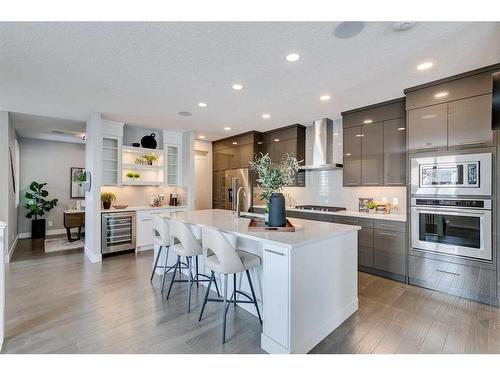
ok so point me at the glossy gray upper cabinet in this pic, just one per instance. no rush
(372, 159)
(352, 156)
(427, 127)
(395, 152)
(469, 122)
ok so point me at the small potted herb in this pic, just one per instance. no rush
(106, 199)
(130, 175)
(137, 175)
(371, 206)
(150, 158)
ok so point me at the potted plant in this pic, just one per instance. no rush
(272, 178)
(37, 206)
(371, 205)
(130, 175)
(106, 199)
(150, 158)
(137, 175)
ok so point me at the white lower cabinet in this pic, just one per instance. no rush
(144, 227)
(276, 295)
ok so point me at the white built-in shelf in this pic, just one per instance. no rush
(143, 167)
(141, 150)
(142, 183)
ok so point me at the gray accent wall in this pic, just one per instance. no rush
(51, 162)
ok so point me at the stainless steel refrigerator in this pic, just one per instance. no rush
(233, 180)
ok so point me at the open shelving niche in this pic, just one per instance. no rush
(149, 174)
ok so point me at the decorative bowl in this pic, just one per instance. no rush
(120, 206)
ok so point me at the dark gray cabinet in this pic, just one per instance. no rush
(427, 127)
(395, 152)
(389, 251)
(461, 280)
(374, 143)
(372, 154)
(469, 122)
(365, 247)
(352, 156)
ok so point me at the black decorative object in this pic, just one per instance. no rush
(277, 210)
(106, 205)
(149, 141)
(37, 228)
(136, 144)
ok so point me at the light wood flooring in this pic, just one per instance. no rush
(65, 304)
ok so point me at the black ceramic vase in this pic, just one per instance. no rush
(148, 141)
(277, 210)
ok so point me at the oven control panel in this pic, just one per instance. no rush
(466, 203)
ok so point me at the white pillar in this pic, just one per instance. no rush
(2, 286)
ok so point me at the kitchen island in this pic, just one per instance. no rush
(307, 284)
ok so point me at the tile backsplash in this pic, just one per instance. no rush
(325, 188)
(140, 195)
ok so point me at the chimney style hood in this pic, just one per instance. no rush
(323, 145)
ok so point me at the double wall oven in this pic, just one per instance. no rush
(451, 205)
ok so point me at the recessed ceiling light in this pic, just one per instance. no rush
(201, 104)
(425, 65)
(324, 98)
(368, 121)
(266, 116)
(227, 128)
(293, 57)
(237, 86)
(277, 140)
(201, 137)
(401, 128)
(184, 113)
(441, 94)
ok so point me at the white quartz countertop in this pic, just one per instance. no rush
(143, 208)
(394, 217)
(306, 231)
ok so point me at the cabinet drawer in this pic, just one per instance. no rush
(389, 251)
(365, 237)
(351, 220)
(461, 280)
(397, 226)
(313, 216)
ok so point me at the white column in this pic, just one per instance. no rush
(2, 285)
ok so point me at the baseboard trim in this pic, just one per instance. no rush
(94, 258)
(11, 250)
(50, 232)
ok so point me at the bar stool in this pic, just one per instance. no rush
(185, 244)
(161, 238)
(221, 256)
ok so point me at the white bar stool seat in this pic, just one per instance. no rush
(222, 256)
(185, 244)
(161, 238)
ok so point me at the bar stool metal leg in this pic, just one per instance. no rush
(197, 274)
(177, 265)
(212, 277)
(234, 288)
(253, 295)
(156, 263)
(165, 270)
(190, 282)
(224, 309)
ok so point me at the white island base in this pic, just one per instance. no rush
(307, 284)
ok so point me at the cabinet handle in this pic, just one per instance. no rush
(274, 252)
(388, 225)
(351, 221)
(387, 234)
(370, 183)
(448, 272)
(472, 143)
(146, 219)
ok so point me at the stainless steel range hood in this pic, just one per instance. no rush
(323, 146)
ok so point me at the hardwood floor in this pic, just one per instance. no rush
(65, 304)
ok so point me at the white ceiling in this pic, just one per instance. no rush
(144, 73)
(47, 128)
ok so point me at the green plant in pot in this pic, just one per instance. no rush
(371, 205)
(106, 199)
(37, 206)
(272, 178)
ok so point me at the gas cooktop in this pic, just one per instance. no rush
(312, 207)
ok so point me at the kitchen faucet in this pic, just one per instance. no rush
(236, 210)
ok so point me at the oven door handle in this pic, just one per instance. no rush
(451, 211)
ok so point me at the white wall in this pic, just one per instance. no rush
(2, 287)
(50, 162)
(140, 195)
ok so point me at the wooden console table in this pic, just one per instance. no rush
(74, 219)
